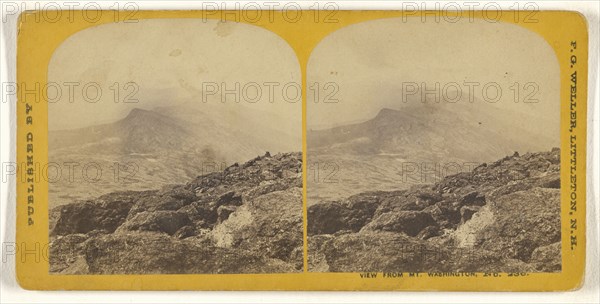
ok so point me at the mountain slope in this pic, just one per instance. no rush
(500, 217)
(252, 128)
(244, 219)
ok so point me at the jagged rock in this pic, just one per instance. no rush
(409, 222)
(162, 221)
(503, 216)
(231, 221)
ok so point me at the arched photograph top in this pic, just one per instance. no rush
(177, 150)
(439, 150)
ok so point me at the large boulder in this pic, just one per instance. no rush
(269, 225)
(104, 213)
(523, 221)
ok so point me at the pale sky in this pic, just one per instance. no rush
(370, 61)
(169, 60)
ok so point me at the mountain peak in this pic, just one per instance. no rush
(137, 116)
(385, 112)
(137, 112)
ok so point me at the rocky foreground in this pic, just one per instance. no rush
(245, 219)
(501, 217)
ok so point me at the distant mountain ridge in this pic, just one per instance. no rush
(373, 154)
(147, 131)
(151, 148)
(455, 132)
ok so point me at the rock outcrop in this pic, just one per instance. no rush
(500, 217)
(244, 219)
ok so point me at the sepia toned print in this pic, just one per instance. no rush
(341, 150)
(183, 163)
(439, 153)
